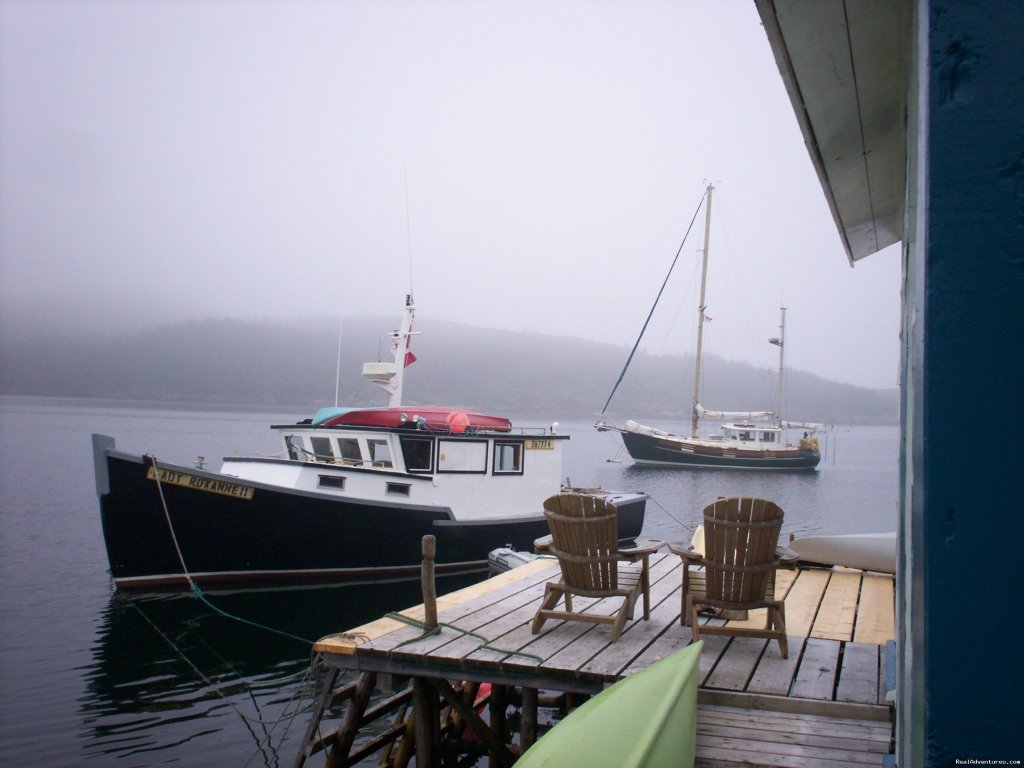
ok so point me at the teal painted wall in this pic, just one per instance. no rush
(969, 466)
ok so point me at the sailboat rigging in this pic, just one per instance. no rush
(743, 443)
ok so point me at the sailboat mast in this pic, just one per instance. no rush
(782, 367)
(700, 314)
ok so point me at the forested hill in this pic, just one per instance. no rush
(233, 362)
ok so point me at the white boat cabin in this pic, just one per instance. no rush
(749, 435)
(478, 474)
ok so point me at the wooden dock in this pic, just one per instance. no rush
(824, 706)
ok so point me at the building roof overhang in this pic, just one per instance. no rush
(845, 66)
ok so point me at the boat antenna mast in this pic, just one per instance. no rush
(780, 342)
(700, 314)
(390, 376)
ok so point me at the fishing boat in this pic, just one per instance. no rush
(349, 497)
(646, 720)
(747, 439)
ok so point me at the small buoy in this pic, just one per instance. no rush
(457, 422)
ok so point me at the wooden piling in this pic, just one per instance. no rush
(427, 579)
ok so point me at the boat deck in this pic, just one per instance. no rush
(824, 705)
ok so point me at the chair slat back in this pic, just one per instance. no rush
(585, 538)
(740, 535)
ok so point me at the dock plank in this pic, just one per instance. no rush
(784, 580)
(876, 610)
(636, 639)
(716, 752)
(345, 643)
(469, 617)
(876, 732)
(668, 643)
(858, 675)
(803, 599)
(714, 649)
(838, 607)
(590, 644)
(509, 631)
(774, 674)
(737, 664)
(825, 739)
(728, 736)
(816, 675)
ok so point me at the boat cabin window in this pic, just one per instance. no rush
(322, 448)
(380, 452)
(295, 449)
(418, 453)
(768, 437)
(508, 458)
(746, 436)
(332, 481)
(348, 449)
(399, 489)
(462, 456)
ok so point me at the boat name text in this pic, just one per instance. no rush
(201, 483)
(539, 445)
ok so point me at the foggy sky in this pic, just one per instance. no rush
(163, 160)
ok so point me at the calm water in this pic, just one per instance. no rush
(91, 678)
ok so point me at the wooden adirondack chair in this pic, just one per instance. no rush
(740, 559)
(584, 533)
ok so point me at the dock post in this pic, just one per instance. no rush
(338, 751)
(497, 707)
(528, 719)
(427, 715)
(427, 578)
(318, 712)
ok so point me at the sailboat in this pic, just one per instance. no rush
(748, 439)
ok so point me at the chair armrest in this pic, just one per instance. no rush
(688, 553)
(642, 548)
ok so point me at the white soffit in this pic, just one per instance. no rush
(845, 66)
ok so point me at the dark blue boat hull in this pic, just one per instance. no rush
(260, 535)
(650, 449)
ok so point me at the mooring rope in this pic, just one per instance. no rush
(685, 526)
(199, 673)
(170, 526)
(429, 631)
(286, 717)
(300, 692)
(197, 592)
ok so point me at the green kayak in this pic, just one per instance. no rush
(646, 719)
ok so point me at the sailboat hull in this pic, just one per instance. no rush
(674, 451)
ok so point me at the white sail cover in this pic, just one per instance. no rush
(703, 413)
(809, 426)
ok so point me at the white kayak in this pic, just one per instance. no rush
(866, 551)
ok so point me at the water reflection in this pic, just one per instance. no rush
(678, 496)
(172, 680)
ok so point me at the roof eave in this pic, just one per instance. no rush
(844, 67)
